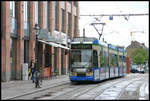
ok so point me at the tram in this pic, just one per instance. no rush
(92, 60)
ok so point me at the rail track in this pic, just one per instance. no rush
(113, 89)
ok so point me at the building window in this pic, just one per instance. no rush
(26, 26)
(63, 20)
(69, 24)
(12, 8)
(36, 12)
(75, 26)
(13, 21)
(26, 51)
(56, 17)
(75, 3)
(69, 2)
(46, 14)
(25, 11)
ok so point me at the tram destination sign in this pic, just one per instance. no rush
(81, 46)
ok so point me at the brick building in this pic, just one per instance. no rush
(58, 21)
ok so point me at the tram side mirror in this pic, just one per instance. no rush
(66, 52)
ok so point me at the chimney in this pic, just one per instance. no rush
(103, 39)
(84, 32)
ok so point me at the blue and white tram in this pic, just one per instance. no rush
(92, 60)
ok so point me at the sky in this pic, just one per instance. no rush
(116, 31)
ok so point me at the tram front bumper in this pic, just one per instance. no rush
(81, 78)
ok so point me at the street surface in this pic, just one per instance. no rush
(131, 87)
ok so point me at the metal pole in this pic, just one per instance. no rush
(84, 32)
(36, 51)
(36, 65)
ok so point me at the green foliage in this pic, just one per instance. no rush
(139, 56)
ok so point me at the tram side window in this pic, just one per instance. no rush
(113, 59)
(105, 59)
(117, 61)
(120, 59)
(123, 59)
(95, 58)
(101, 59)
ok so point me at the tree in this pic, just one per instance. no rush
(138, 59)
(139, 56)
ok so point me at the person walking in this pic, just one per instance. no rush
(33, 71)
(37, 79)
(29, 70)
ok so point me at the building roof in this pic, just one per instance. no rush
(136, 44)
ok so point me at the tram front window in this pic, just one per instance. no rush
(81, 58)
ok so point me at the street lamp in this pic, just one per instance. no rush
(36, 30)
(37, 72)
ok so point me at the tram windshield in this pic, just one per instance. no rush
(81, 58)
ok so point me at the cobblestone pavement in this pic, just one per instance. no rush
(16, 88)
(131, 87)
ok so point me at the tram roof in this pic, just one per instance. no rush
(108, 45)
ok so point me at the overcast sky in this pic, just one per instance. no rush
(116, 31)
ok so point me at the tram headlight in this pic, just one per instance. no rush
(89, 72)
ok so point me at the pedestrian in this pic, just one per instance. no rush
(37, 78)
(29, 71)
(33, 71)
